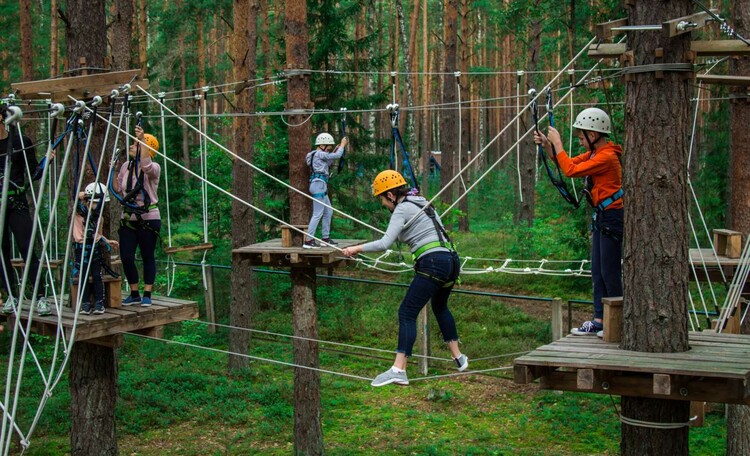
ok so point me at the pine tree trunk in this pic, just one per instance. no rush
(655, 249)
(738, 219)
(27, 45)
(243, 218)
(93, 393)
(308, 430)
(122, 29)
(142, 38)
(466, 146)
(528, 148)
(425, 129)
(448, 124)
(54, 52)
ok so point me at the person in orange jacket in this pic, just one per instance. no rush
(600, 166)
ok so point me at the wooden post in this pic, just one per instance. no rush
(308, 430)
(612, 319)
(424, 341)
(557, 319)
(210, 298)
(728, 243)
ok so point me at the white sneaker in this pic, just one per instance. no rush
(42, 306)
(600, 334)
(389, 376)
(10, 305)
(462, 362)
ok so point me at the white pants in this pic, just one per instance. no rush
(318, 187)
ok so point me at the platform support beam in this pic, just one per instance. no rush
(557, 318)
(210, 298)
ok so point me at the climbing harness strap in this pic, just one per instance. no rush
(444, 241)
(319, 195)
(609, 200)
(393, 111)
(320, 176)
(342, 160)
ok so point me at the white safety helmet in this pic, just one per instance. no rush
(593, 119)
(94, 191)
(324, 139)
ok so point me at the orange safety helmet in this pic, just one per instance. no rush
(152, 142)
(387, 180)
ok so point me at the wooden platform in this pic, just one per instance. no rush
(114, 322)
(708, 265)
(715, 369)
(272, 253)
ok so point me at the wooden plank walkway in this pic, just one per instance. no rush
(272, 253)
(715, 369)
(113, 322)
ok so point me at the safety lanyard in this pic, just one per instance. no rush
(558, 181)
(409, 170)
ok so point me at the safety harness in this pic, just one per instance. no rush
(444, 241)
(83, 249)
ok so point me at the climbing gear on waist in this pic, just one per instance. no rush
(429, 246)
(609, 200)
(319, 195)
(320, 176)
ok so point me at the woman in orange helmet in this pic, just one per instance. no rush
(436, 267)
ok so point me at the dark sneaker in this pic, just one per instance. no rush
(389, 376)
(330, 241)
(10, 305)
(462, 362)
(129, 301)
(311, 244)
(42, 307)
(99, 308)
(86, 308)
(145, 302)
(588, 328)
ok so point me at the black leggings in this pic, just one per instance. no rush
(95, 272)
(146, 239)
(18, 223)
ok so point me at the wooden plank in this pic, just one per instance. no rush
(585, 379)
(604, 29)
(693, 389)
(633, 364)
(79, 87)
(743, 81)
(699, 354)
(716, 48)
(662, 384)
(524, 374)
(697, 413)
(607, 50)
(672, 28)
(612, 319)
(188, 248)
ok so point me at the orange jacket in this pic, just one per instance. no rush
(604, 168)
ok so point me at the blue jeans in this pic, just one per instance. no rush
(439, 266)
(320, 212)
(606, 257)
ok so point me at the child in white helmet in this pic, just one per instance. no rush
(87, 244)
(600, 165)
(319, 161)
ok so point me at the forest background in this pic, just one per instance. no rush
(354, 46)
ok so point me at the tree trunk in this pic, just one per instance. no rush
(308, 430)
(298, 97)
(93, 393)
(411, 144)
(655, 249)
(466, 145)
(425, 129)
(27, 45)
(243, 218)
(122, 30)
(528, 148)
(183, 106)
(142, 38)
(738, 212)
(448, 124)
(54, 52)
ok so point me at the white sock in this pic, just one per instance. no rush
(397, 370)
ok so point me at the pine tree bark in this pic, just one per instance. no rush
(142, 38)
(528, 148)
(448, 124)
(410, 123)
(308, 430)
(738, 219)
(466, 145)
(93, 393)
(425, 128)
(54, 52)
(122, 29)
(244, 230)
(655, 249)
(27, 45)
